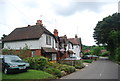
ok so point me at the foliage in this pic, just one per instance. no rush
(63, 67)
(87, 53)
(8, 51)
(30, 74)
(78, 64)
(22, 53)
(105, 54)
(67, 68)
(117, 54)
(107, 32)
(96, 51)
(53, 71)
(38, 62)
(87, 61)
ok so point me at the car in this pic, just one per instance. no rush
(73, 57)
(89, 57)
(13, 63)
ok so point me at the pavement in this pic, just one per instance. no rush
(100, 69)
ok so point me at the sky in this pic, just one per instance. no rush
(69, 17)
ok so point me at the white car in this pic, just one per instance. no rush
(74, 57)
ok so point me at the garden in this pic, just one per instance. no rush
(41, 68)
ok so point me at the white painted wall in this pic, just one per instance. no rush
(32, 44)
(69, 44)
(76, 50)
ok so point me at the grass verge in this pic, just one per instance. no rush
(30, 74)
(87, 61)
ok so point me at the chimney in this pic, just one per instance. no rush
(39, 22)
(55, 32)
(28, 25)
(76, 36)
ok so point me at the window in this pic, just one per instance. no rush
(68, 46)
(77, 46)
(53, 42)
(33, 53)
(48, 40)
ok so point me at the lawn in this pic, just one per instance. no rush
(87, 61)
(30, 74)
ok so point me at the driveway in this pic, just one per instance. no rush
(101, 69)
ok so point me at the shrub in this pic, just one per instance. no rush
(53, 71)
(66, 68)
(62, 67)
(117, 55)
(105, 54)
(38, 63)
(79, 66)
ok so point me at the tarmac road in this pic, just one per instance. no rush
(100, 69)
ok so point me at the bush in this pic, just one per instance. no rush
(87, 53)
(79, 66)
(105, 54)
(38, 63)
(117, 54)
(53, 71)
(62, 67)
(68, 69)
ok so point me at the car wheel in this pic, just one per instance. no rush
(6, 71)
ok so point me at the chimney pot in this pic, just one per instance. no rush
(76, 36)
(28, 25)
(39, 22)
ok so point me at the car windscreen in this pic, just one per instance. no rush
(11, 58)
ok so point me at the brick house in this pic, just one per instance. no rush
(64, 46)
(39, 40)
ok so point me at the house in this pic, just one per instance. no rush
(77, 45)
(86, 50)
(64, 46)
(60, 45)
(70, 48)
(37, 38)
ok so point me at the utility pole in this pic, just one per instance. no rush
(119, 7)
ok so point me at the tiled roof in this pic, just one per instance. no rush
(27, 33)
(75, 41)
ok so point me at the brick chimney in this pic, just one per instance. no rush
(39, 22)
(55, 32)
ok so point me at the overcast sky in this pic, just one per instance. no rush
(70, 17)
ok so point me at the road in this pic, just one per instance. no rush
(100, 69)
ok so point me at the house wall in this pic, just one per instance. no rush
(69, 46)
(32, 44)
(76, 50)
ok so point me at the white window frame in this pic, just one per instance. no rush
(48, 40)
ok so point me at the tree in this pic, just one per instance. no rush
(96, 51)
(106, 31)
